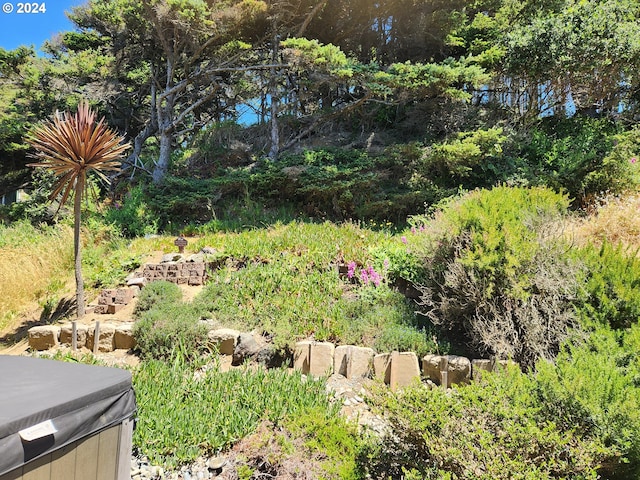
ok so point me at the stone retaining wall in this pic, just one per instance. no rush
(396, 369)
(110, 336)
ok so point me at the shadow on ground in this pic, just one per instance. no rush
(65, 308)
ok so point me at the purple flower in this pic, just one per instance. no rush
(633, 160)
(413, 230)
(351, 269)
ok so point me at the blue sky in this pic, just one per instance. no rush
(33, 28)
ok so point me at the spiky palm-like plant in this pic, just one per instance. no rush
(70, 146)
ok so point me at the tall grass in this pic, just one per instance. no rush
(35, 266)
(615, 220)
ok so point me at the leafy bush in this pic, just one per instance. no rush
(491, 429)
(577, 155)
(594, 388)
(167, 328)
(470, 160)
(610, 294)
(155, 294)
(165, 324)
(407, 338)
(495, 274)
(134, 217)
(333, 439)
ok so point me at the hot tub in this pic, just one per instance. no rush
(64, 421)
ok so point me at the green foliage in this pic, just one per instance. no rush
(186, 410)
(495, 272)
(107, 260)
(471, 159)
(331, 438)
(36, 208)
(493, 429)
(133, 216)
(594, 388)
(577, 156)
(421, 80)
(165, 324)
(167, 328)
(155, 294)
(408, 338)
(610, 294)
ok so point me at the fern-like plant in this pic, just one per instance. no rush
(70, 146)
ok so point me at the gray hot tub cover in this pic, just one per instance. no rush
(78, 399)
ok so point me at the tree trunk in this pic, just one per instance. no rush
(77, 205)
(160, 170)
(274, 151)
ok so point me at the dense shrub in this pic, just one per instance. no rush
(165, 324)
(577, 155)
(493, 429)
(155, 294)
(594, 389)
(610, 294)
(133, 215)
(469, 160)
(496, 275)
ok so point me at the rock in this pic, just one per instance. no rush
(172, 257)
(382, 367)
(321, 358)
(66, 332)
(458, 369)
(137, 282)
(216, 463)
(432, 365)
(301, 356)
(270, 357)
(123, 338)
(246, 349)
(352, 361)
(44, 337)
(224, 340)
(405, 369)
(209, 251)
(196, 258)
(105, 339)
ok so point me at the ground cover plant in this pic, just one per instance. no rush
(189, 408)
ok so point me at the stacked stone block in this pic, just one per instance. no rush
(181, 273)
(112, 300)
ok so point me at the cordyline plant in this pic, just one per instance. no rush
(70, 146)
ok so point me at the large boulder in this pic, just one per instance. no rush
(44, 337)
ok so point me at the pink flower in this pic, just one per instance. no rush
(351, 269)
(413, 230)
(403, 239)
(633, 160)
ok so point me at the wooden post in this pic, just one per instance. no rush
(74, 336)
(96, 337)
(444, 372)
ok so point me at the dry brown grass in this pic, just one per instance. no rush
(32, 271)
(615, 220)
